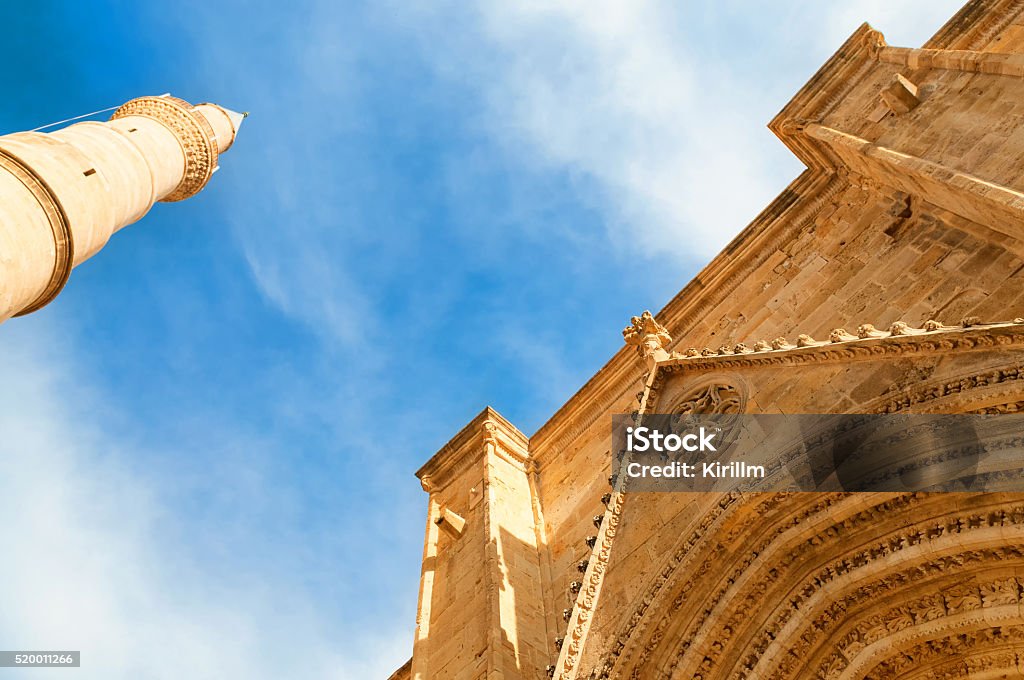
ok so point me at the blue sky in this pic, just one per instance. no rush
(208, 440)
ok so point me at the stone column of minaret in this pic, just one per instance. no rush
(64, 193)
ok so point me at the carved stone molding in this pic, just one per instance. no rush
(957, 394)
(976, 24)
(586, 600)
(925, 615)
(1012, 407)
(193, 131)
(838, 336)
(714, 396)
(959, 655)
(869, 346)
(964, 655)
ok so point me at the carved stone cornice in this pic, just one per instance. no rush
(851, 63)
(868, 344)
(976, 24)
(871, 344)
(973, 392)
(467, 447)
(193, 131)
(966, 61)
(993, 204)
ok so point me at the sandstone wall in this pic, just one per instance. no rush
(845, 245)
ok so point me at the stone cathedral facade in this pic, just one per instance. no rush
(888, 277)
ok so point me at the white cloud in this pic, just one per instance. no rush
(657, 108)
(609, 91)
(905, 23)
(660, 107)
(90, 563)
(303, 282)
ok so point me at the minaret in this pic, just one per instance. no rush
(64, 193)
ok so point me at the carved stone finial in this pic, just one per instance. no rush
(804, 340)
(692, 352)
(932, 325)
(780, 343)
(650, 338)
(761, 346)
(866, 330)
(899, 328)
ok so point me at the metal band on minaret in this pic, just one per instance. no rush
(64, 193)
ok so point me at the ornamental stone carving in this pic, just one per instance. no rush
(723, 398)
(650, 338)
(192, 130)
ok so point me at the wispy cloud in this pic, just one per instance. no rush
(305, 282)
(97, 560)
(656, 111)
(657, 107)
(615, 94)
